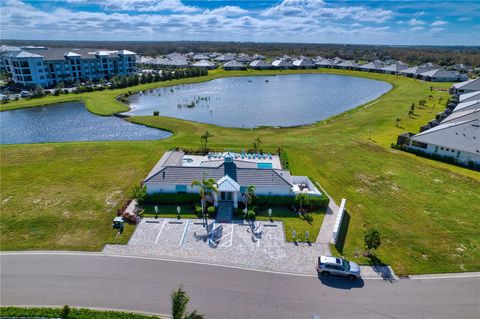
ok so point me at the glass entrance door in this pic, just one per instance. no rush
(225, 196)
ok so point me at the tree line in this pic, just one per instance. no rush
(442, 55)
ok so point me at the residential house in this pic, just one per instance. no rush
(324, 63)
(441, 75)
(225, 58)
(260, 65)
(467, 86)
(467, 97)
(205, 64)
(303, 64)
(415, 71)
(234, 65)
(374, 66)
(395, 68)
(458, 140)
(346, 65)
(282, 64)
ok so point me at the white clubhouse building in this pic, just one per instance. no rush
(233, 173)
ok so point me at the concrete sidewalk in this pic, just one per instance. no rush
(325, 234)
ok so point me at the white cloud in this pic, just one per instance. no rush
(415, 21)
(227, 11)
(439, 23)
(435, 30)
(288, 21)
(317, 9)
(419, 13)
(148, 5)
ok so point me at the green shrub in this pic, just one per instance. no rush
(65, 312)
(212, 210)
(173, 198)
(251, 215)
(16, 312)
(308, 218)
(139, 193)
(283, 158)
(314, 202)
(156, 113)
(239, 212)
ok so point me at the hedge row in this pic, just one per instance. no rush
(75, 313)
(314, 202)
(172, 199)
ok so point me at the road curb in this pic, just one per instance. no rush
(393, 277)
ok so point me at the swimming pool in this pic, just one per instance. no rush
(264, 165)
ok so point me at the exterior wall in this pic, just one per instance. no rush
(153, 188)
(461, 156)
(273, 190)
(33, 71)
(27, 71)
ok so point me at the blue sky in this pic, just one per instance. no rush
(316, 21)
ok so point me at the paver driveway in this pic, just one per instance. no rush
(259, 245)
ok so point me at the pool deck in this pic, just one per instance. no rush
(198, 160)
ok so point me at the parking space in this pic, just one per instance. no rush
(192, 233)
(258, 245)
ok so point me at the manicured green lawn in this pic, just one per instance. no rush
(64, 196)
(54, 196)
(169, 211)
(292, 221)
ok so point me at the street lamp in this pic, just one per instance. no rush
(156, 211)
(245, 211)
(270, 214)
(294, 236)
(178, 212)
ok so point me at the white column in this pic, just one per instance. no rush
(235, 200)
(215, 199)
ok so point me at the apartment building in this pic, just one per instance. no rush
(32, 66)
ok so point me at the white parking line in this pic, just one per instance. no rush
(228, 243)
(185, 231)
(161, 228)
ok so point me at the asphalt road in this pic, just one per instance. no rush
(219, 292)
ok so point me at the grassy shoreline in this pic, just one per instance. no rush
(426, 211)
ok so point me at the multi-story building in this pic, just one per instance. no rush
(43, 66)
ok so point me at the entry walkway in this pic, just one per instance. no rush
(224, 212)
(326, 230)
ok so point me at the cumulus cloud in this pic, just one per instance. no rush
(289, 20)
(227, 11)
(318, 9)
(436, 30)
(148, 5)
(438, 23)
(415, 21)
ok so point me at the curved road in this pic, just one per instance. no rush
(218, 292)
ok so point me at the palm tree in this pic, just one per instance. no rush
(301, 198)
(180, 300)
(204, 139)
(205, 185)
(248, 195)
(256, 143)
